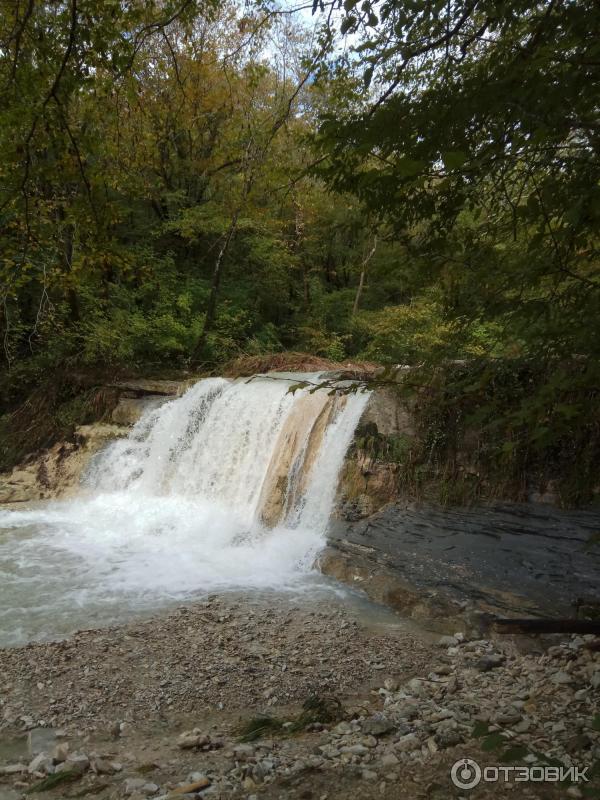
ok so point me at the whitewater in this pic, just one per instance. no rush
(230, 486)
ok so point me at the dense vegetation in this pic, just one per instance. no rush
(407, 182)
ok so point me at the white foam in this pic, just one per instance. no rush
(171, 511)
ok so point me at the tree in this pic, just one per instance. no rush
(60, 65)
(475, 138)
(479, 141)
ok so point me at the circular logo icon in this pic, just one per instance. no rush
(465, 773)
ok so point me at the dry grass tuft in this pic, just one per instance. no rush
(245, 366)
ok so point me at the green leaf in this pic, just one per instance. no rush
(347, 23)
(54, 780)
(480, 729)
(297, 386)
(454, 159)
(567, 410)
(540, 432)
(408, 167)
(493, 742)
(515, 753)
(539, 135)
(533, 204)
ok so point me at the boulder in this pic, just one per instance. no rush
(129, 409)
(377, 725)
(144, 386)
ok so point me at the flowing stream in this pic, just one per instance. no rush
(230, 486)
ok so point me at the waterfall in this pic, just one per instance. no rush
(230, 485)
(223, 442)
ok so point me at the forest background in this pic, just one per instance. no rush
(187, 183)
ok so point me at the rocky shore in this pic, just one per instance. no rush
(286, 700)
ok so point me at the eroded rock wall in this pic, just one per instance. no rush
(385, 438)
(58, 470)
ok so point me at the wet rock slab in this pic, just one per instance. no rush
(443, 563)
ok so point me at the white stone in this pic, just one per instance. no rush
(342, 729)
(41, 763)
(561, 678)
(447, 641)
(13, 769)
(61, 752)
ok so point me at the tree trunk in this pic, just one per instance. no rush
(363, 270)
(359, 290)
(305, 288)
(68, 251)
(211, 306)
(298, 236)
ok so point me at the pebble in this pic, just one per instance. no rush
(102, 767)
(41, 763)
(243, 752)
(195, 786)
(61, 752)
(408, 742)
(377, 725)
(447, 641)
(490, 662)
(397, 730)
(561, 678)
(355, 749)
(78, 761)
(13, 769)
(139, 785)
(343, 728)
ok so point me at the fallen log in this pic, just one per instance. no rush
(533, 626)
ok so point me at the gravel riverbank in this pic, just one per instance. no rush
(347, 707)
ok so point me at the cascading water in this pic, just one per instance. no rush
(229, 486)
